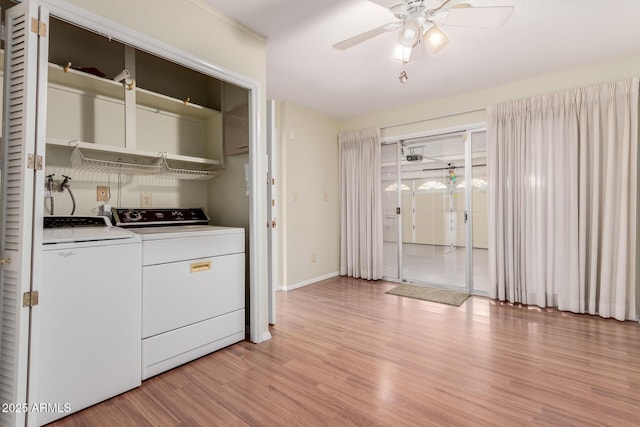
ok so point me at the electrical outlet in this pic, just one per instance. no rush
(146, 200)
(313, 257)
(102, 193)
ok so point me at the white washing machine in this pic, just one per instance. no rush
(90, 310)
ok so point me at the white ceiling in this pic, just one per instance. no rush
(540, 37)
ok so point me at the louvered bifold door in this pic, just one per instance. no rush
(26, 51)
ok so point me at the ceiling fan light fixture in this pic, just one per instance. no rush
(409, 34)
(435, 39)
(409, 54)
(402, 53)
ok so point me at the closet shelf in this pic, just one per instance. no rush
(114, 160)
(79, 80)
(85, 82)
(159, 102)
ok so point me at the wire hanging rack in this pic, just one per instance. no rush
(159, 165)
(149, 166)
(167, 171)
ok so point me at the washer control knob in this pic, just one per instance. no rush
(133, 216)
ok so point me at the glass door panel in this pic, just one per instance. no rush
(480, 219)
(434, 242)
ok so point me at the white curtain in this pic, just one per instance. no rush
(361, 204)
(563, 200)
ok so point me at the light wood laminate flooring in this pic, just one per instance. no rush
(344, 353)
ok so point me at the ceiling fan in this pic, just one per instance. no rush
(420, 20)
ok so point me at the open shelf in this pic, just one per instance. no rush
(85, 82)
(105, 111)
(157, 101)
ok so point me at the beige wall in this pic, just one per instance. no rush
(310, 199)
(391, 120)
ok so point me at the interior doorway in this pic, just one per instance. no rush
(435, 210)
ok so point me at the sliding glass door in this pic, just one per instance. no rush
(478, 207)
(428, 208)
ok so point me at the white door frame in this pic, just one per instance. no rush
(468, 212)
(469, 204)
(398, 214)
(273, 206)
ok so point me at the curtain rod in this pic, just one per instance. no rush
(442, 116)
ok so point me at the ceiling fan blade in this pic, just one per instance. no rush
(479, 17)
(386, 3)
(350, 42)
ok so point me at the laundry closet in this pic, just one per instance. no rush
(159, 147)
(132, 129)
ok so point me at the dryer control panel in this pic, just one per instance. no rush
(142, 217)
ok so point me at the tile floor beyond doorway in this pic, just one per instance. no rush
(437, 265)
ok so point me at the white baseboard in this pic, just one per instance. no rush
(309, 281)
